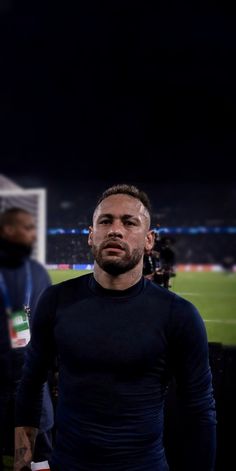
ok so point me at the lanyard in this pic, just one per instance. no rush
(28, 290)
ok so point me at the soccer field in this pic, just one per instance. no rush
(214, 294)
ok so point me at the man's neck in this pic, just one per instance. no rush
(13, 255)
(117, 282)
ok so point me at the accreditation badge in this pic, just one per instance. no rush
(40, 466)
(19, 329)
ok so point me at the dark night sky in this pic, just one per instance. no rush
(103, 83)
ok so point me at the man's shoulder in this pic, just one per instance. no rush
(75, 281)
(175, 300)
(39, 272)
(157, 290)
(64, 293)
(74, 287)
(38, 266)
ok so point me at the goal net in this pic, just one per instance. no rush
(32, 200)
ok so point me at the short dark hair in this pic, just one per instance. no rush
(9, 215)
(126, 189)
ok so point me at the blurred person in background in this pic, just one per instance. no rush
(159, 261)
(119, 339)
(167, 260)
(21, 282)
(152, 268)
(228, 264)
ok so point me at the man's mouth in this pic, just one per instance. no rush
(113, 247)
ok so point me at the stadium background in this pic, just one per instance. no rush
(93, 94)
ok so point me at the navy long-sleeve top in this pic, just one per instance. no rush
(117, 351)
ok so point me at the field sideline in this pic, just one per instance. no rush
(214, 294)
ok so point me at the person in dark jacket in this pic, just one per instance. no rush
(151, 267)
(22, 280)
(119, 339)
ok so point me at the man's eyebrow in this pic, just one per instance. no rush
(105, 215)
(111, 216)
(129, 216)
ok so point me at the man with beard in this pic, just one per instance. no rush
(119, 339)
(21, 282)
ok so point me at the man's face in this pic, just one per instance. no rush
(120, 233)
(22, 231)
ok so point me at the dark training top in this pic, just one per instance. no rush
(13, 270)
(117, 351)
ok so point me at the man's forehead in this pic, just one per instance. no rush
(25, 218)
(121, 204)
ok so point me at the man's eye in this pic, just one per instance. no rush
(129, 223)
(104, 221)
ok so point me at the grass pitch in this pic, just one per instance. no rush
(214, 294)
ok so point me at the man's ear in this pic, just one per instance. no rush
(90, 237)
(150, 239)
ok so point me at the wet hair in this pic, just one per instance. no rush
(130, 190)
(8, 217)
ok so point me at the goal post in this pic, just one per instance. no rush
(34, 201)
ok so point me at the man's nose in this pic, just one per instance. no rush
(115, 230)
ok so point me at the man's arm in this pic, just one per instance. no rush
(24, 446)
(194, 388)
(38, 360)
